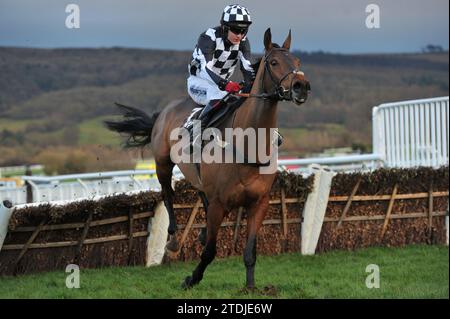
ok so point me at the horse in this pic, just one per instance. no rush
(223, 187)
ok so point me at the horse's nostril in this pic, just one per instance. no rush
(297, 86)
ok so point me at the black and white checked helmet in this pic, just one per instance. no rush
(236, 14)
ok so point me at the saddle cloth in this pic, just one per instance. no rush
(226, 108)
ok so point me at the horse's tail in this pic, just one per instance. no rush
(137, 126)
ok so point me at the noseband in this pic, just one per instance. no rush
(280, 93)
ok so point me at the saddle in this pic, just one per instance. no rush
(227, 106)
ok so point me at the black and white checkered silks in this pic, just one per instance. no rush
(236, 13)
(213, 63)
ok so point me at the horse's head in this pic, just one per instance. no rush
(283, 78)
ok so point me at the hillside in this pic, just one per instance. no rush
(56, 97)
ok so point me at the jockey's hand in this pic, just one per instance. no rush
(232, 87)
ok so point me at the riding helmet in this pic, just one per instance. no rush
(236, 15)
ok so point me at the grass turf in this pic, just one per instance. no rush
(410, 272)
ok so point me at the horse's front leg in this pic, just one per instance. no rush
(215, 217)
(255, 218)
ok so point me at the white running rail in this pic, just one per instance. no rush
(412, 133)
(405, 134)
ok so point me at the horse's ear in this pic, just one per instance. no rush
(287, 42)
(268, 40)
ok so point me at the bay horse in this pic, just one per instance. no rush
(223, 186)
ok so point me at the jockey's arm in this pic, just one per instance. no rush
(207, 48)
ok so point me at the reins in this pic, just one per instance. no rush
(280, 93)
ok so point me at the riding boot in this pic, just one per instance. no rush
(279, 138)
(205, 117)
(207, 111)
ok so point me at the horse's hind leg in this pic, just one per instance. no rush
(215, 217)
(202, 235)
(164, 172)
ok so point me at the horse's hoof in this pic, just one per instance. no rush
(7, 204)
(172, 245)
(187, 283)
(249, 290)
(171, 230)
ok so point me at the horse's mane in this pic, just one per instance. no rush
(255, 65)
(233, 105)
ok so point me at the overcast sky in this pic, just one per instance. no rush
(328, 25)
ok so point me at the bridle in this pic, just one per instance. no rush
(280, 93)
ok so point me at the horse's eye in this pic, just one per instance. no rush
(273, 62)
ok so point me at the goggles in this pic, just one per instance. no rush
(238, 30)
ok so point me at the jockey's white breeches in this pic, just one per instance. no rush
(203, 90)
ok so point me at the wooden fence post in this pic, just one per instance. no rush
(130, 234)
(188, 225)
(27, 245)
(349, 202)
(430, 213)
(284, 220)
(388, 213)
(83, 237)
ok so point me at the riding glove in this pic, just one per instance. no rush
(232, 87)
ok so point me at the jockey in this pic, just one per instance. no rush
(214, 60)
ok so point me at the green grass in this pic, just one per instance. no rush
(411, 272)
(91, 131)
(22, 172)
(16, 125)
(314, 139)
(94, 132)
